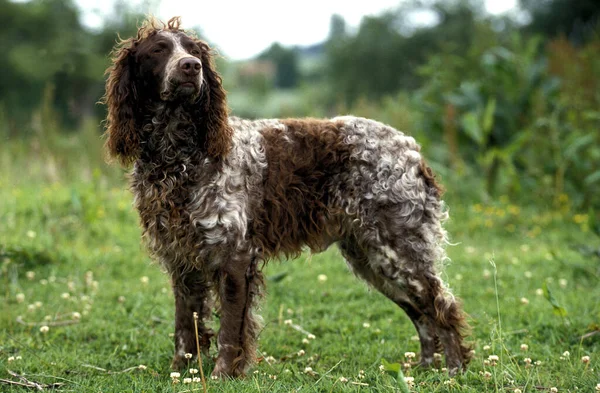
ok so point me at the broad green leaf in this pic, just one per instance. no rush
(396, 368)
(470, 123)
(556, 308)
(488, 116)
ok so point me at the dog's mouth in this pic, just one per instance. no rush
(180, 89)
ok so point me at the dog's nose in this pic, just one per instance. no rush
(190, 66)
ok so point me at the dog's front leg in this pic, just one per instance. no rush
(240, 283)
(193, 293)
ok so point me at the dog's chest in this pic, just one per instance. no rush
(191, 217)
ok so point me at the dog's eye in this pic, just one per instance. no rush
(157, 50)
(195, 52)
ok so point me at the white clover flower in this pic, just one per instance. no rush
(31, 234)
(20, 297)
(344, 380)
(311, 336)
(144, 280)
(539, 292)
(193, 371)
(486, 347)
(142, 367)
(585, 359)
(563, 283)
(308, 370)
(409, 355)
(196, 380)
(322, 278)
(175, 374)
(270, 359)
(305, 341)
(65, 295)
(31, 307)
(188, 355)
(287, 322)
(44, 329)
(76, 315)
(517, 391)
(524, 301)
(566, 354)
(410, 381)
(187, 380)
(524, 347)
(553, 390)
(366, 325)
(301, 352)
(214, 377)
(598, 387)
(11, 359)
(487, 375)
(30, 275)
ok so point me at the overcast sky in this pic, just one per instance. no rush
(244, 28)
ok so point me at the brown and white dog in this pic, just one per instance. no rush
(218, 195)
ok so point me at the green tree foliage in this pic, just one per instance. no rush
(577, 19)
(286, 65)
(383, 56)
(51, 60)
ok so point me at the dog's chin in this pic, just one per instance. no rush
(186, 91)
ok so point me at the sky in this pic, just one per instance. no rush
(244, 28)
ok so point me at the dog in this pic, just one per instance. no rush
(218, 196)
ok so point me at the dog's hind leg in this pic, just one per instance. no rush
(359, 262)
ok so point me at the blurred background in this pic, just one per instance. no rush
(503, 95)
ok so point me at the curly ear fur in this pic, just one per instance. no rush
(219, 133)
(123, 135)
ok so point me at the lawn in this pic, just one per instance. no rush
(84, 306)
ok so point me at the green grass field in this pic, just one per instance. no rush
(71, 259)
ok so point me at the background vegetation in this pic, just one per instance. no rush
(506, 108)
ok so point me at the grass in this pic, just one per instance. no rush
(71, 259)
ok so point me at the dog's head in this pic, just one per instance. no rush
(163, 63)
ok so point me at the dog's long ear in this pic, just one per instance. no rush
(122, 130)
(215, 112)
